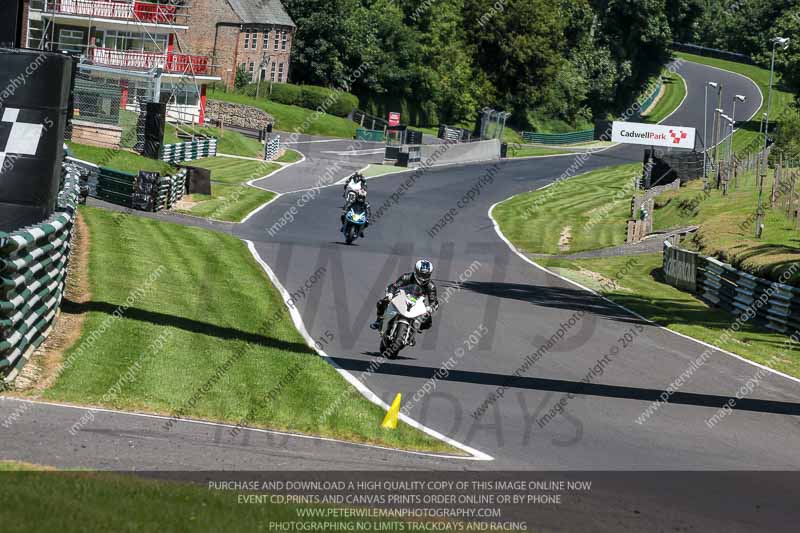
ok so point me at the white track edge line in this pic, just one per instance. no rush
(476, 455)
(251, 183)
(685, 95)
(751, 80)
(216, 424)
(632, 312)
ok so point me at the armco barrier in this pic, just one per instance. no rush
(33, 269)
(572, 137)
(370, 135)
(189, 151)
(772, 304)
(645, 104)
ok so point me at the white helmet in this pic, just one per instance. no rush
(422, 272)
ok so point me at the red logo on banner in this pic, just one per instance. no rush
(677, 136)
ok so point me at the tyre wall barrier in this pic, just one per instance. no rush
(769, 303)
(272, 148)
(145, 192)
(33, 270)
(189, 151)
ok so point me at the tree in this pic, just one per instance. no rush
(638, 35)
(520, 50)
(242, 78)
(683, 17)
(787, 137)
(555, 62)
(787, 62)
(325, 45)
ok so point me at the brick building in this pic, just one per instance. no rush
(256, 34)
(194, 42)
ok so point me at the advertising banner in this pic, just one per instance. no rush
(394, 119)
(680, 268)
(653, 135)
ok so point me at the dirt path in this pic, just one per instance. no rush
(43, 367)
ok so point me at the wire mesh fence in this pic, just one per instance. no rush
(108, 106)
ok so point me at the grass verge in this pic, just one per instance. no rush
(727, 225)
(228, 203)
(45, 500)
(641, 289)
(591, 209)
(231, 198)
(119, 159)
(230, 170)
(228, 141)
(292, 118)
(290, 156)
(674, 93)
(200, 303)
(373, 171)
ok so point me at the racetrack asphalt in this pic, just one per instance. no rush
(508, 307)
(520, 307)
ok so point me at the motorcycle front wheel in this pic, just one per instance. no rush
(390, 348)
(349, 234)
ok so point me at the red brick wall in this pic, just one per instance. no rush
(26, 5)
(230, 52)
(246, 55)
(203, 32)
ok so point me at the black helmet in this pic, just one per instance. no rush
(422, 271)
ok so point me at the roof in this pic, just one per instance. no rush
(261, 12)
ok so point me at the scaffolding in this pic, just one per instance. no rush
(158, 67)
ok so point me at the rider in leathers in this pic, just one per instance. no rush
(357, 178)
(421, 276)
(367, 210)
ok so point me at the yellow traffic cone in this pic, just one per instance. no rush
(390, 421)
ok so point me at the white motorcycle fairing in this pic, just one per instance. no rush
(406, 305)
(354, 186)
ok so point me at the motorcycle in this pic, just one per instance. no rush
(354, 221)
(402, 319)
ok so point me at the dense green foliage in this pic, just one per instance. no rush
(334, 102)
(242, 78)
(551, 63)
(748, 27)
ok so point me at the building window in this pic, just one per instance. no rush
(280, 72)
(251, 69)
(132, 41)
(277, 39)
(183, 95)
(272, 73)
(284, 38)
(71, 40)
(266, 40)
(246, 40)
